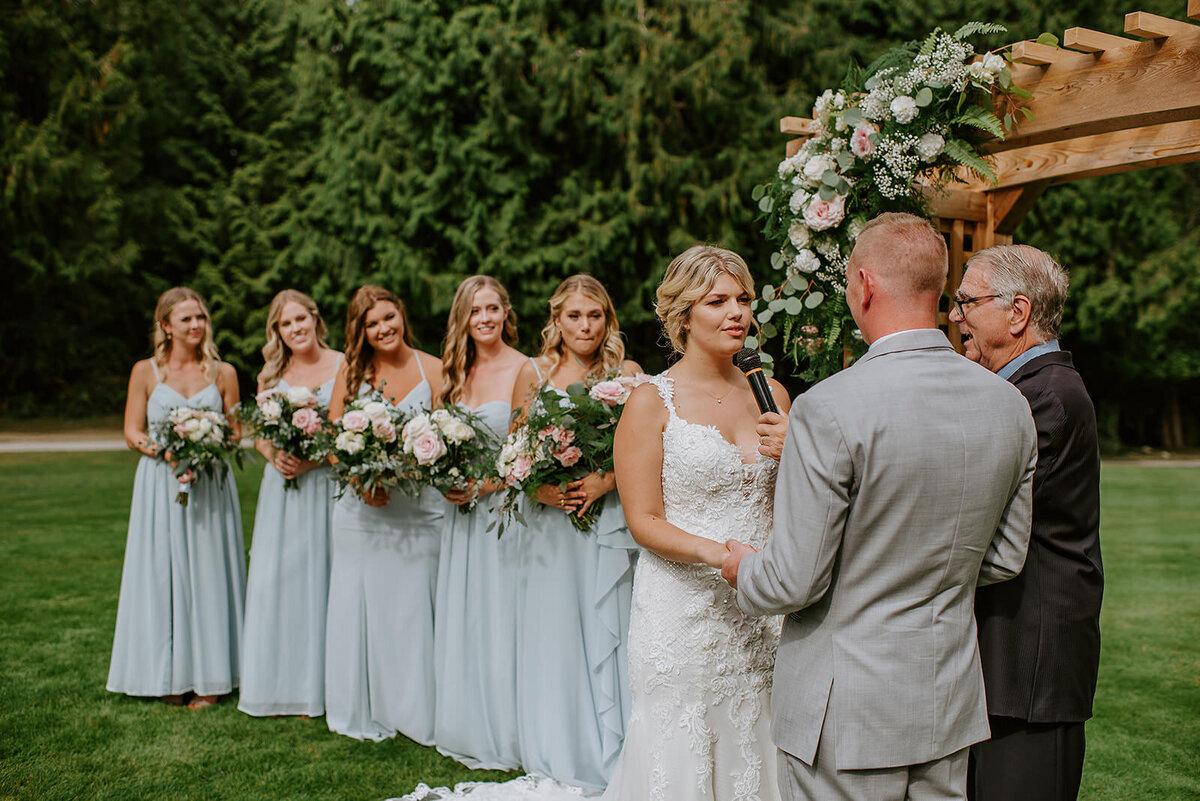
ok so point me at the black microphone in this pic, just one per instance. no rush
(749, 362)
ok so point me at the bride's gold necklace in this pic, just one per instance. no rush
(717, 398)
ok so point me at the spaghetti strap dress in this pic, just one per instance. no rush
(283, 654)
(379, 630)
(475, 631)
(573, 604)
(179, 616)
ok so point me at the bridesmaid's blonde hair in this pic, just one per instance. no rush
(611, 352)
(206, 351)
(458, 349)
(276, 355)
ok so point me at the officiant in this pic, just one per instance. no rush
(1039, 634)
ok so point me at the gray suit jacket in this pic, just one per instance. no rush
(905, 481)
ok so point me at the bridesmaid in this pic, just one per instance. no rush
(283, 655)
(475, 629)
(179, 618)
(379, 631)
(573, 600)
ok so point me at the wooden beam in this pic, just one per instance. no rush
(1101, 154)
(1193, 11)
(1009, 206)
(1034, 53)
(796, 125)
(793, 147)
(1089, 41)
(1144, 83)
(958, 204)
(1152, 26)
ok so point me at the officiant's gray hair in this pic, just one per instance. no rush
(1025, 270)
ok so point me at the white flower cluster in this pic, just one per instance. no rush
(197, 425)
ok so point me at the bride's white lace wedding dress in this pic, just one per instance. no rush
(700, 670)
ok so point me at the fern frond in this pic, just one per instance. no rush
(976, 27)
(899, 57)
(930, 42)
(980, 118)
(962, 153)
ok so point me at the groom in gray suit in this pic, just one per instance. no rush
(905, 483)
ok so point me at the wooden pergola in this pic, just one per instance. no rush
(1102, 104)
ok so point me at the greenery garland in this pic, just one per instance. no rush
(912, 122)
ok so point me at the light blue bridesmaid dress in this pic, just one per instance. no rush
(379, 629)
(475, 631)
(283, 654)
(179, 618)
(573, 603)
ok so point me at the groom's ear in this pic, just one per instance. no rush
(867, 281)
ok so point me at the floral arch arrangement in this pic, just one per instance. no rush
(908, 125)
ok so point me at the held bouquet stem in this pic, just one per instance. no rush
(200, 442)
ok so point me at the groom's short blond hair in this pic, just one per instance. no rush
(907, 252)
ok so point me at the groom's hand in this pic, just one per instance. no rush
(729, 570)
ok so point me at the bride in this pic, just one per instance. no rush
(694, 467)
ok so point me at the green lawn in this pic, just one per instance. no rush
(62, 736)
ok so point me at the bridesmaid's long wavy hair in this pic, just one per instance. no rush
(276, 355)
(360, 356)
(458, 348)
(611, 352)
(206, 351)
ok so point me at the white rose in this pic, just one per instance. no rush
(271, 410)
(930, 146)
(904, 109)
(441, 417)
(799, 198)
(376, 411)
(993, 63)
(179, 414)
(457, 431)
(300, 396)
(349, 442)
(977, 71)
(421, 424)
(807, 261)
(798, 234)
(816, 167)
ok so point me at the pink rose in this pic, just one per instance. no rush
(522, 466)
(821, 214)
(384, 430)
(265, 395)
(563, 436)
(428, 448)
(356, 421)
(546, 433)
(860, 140)
(307, 421)
(181, 429)
(568, 456)
(612, 393)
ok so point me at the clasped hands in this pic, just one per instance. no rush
(579, 495)
(734, 551)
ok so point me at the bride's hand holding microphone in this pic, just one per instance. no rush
(772, 426)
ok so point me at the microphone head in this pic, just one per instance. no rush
(747, 359)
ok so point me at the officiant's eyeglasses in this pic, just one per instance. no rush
(960, 302)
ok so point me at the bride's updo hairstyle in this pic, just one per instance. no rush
(689, 278)
(611, 352)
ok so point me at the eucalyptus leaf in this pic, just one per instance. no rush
(845, 159)
(793, 306)
(827, 192)
(1047, 39)
(777, 260)
(830, 178)
(769, 331)
(814, 300)
(752, 341)
(776, 305)
(874, 138)
(768, 292)
(758, 192)
(843, 187)
(924, 96)
(766, 204)
(853, 116)
(798, 282)
(765, 316)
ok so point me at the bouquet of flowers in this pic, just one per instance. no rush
(366, 446)
(564, 439)
(199, 441)
(289, 420)
(447, 448)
